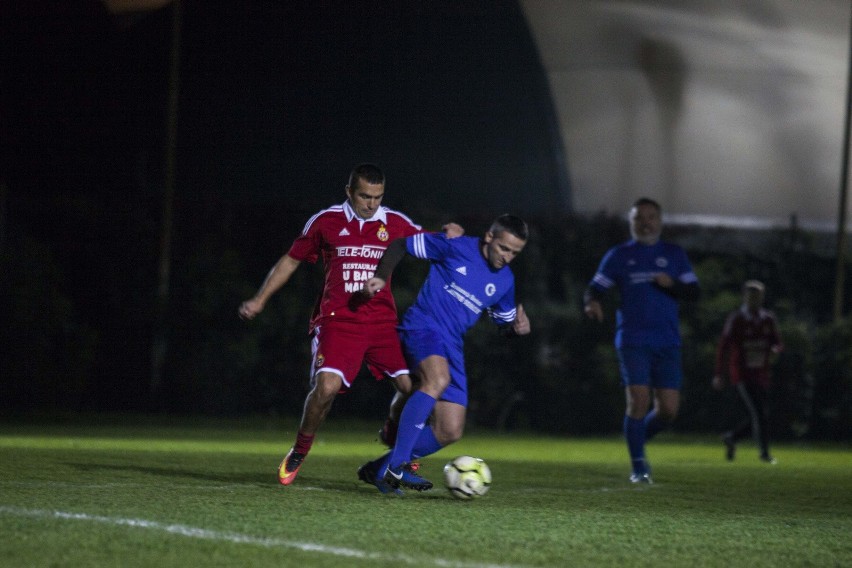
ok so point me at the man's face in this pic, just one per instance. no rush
(365, 198)
(645, 224)
(500, 250)
(753, 298)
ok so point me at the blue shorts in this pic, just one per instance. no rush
(417, 344)
(656, 367)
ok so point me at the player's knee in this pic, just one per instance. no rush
(667, 414)
(667, 408)
(455, 436)
(449, 435)
(637, 409)
(327, 386)
(403, 384)
(434, 385)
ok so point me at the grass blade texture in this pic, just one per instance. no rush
(131, 492)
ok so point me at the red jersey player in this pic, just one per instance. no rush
(346, 330)
(749, 341)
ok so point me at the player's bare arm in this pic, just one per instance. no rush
(278, 276)
(521, 325)
(593, 310)
(592, 303)
(453, 230)
(373, 286)
(663, 279)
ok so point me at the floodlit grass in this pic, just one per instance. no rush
(139, 493)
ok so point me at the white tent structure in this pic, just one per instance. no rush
(729, 113)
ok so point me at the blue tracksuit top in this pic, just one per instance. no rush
(648, 316)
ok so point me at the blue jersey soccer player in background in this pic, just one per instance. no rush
(468, 276)
(651, 276)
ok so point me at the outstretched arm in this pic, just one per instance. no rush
(592, 304)
(277, 277)
(453, 230)
(521, 325)
(393, 255)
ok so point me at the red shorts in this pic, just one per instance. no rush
(341, 348)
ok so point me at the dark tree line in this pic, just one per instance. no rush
(78, 311)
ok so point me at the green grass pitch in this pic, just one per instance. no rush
(135, 492)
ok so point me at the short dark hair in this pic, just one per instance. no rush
(512, 224)
(370, 173)
(647, 201)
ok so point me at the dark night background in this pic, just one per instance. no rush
(277, 101)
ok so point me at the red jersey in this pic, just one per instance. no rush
(350, 248)
(747, 340)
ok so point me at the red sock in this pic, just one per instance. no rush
(389, 431)
(303, 442)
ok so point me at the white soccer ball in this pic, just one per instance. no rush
(467, 477)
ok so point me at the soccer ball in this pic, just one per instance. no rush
(467, 477)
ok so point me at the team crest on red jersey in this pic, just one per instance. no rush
(382, 233)
(320, 360)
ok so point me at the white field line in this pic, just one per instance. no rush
(237, 538)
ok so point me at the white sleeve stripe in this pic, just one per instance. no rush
(419, 245)
(688, 278)
(317, 215)
(404, 216)
(602, 280)
(310, 222)
(506, 316)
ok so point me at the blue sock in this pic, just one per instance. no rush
(427, 444)
(382, 464)
(412, 421)
(634, 433)
(653, 425)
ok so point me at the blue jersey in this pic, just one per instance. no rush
(461, 284)
(648, 316)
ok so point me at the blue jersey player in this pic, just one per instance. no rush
(468, 276)
(651, 277)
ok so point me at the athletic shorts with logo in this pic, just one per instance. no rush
(342, 347)
(422, 343)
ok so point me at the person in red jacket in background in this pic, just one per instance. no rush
(748, 346)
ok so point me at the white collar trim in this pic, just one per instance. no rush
(379, 215)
